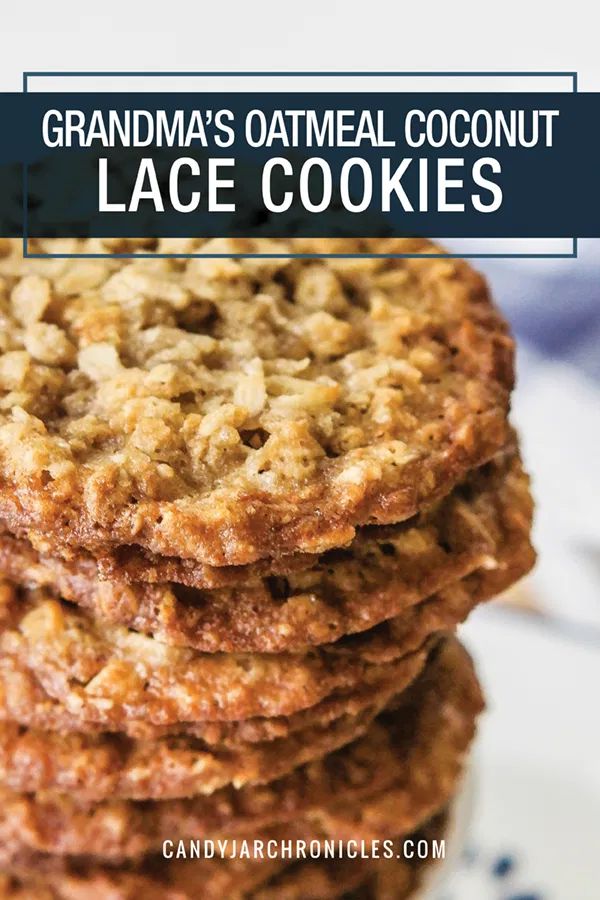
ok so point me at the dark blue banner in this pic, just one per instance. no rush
(300, 164)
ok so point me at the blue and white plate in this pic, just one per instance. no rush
(535, 833)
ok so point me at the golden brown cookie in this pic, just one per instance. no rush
(102, 766)
(383, 572)
(42, 877)
(38, 877)
(416, 750)
(23, 701)
(110, 676)
(228, 410)
(370, 879)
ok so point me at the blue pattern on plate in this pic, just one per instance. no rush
(499, 872)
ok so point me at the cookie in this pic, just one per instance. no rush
(23, 701)
(42, 877)
(383, 572)
(109, 675)
(231, 410)
(379, 879)
(416, 749)
(38, 877)
(102, 766)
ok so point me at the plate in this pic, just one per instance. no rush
(455, 837)
(535, 833)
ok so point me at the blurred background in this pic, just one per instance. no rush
(536, 773)
(554, 308)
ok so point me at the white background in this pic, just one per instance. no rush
(310, 34)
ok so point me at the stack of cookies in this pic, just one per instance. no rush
(244, 504)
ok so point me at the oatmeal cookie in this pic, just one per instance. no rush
(24, 702)
(378, 879)
(39, 877)
(101, 766)
(228, 410)
(109, 675)
(416, 749)
(383, 572)
(36, 876)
